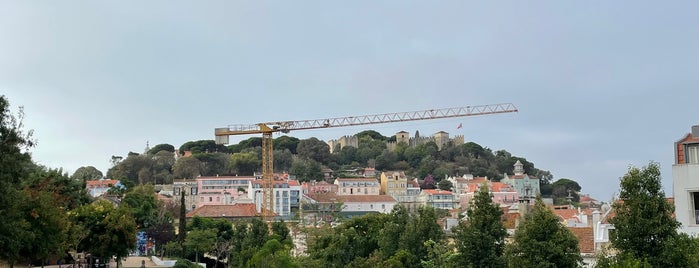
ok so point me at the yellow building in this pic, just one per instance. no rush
(394, 183)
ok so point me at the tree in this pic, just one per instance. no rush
(286, 143)
(272, 255)
(445, 185)
(144, 204)
(541, 240)
(187, 168)
(644, 222)
(161, 147)
(480, 239)
(182, 228)
(203, 146)
(88, 173)
(313, 149)
(420, 229)
(200, 241)
(110, 231)
(428, 182)
(213, 164)
(14, 165)
(306, 170)
(245, 163)
(562, 188)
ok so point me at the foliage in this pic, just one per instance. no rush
(14, 165)
(213, 164)
(541, 240)
(420, 229)
(644, 224)
(245, 163)
(187, 168)
(273, 254)
(161, 147)
(314, 149)
(200, 241)
(88, 173)
(306, 170)
(480, 239)
(110, 231)
(445, 185)
(428, 182)
(286, 143)
(144, 205)
(182, 263)
(203, 146)
(562, 188)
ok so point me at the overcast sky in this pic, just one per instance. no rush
(600, 85)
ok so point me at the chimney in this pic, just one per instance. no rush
(695, 131)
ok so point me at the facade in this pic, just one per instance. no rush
(283, 192)
(526, 186)
(313, 187)
(409, 201)
(394, 183)
(357, 186)
(228, 212)
(437, 199)
(99, 187)
(221, 190)
(191, 189)
(351, 204)
(685, 181)
(342, 142)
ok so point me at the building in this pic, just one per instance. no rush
(99, 187)
(191, 190)
(440, 138)
(222, 190)
(685, 181)
(437, 199)
(394, 183)
(409, 201)
(313, 187)
(351, 205)
(526, 186)
(342, 142)
(285, 193)
(357, 186)
(228, 212)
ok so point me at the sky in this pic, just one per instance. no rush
(600, 85)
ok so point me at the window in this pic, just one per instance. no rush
(695, 202)
(692, 151)
(211, 199)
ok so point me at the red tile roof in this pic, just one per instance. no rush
(224, 211)
(357, 179)
(101, 183)
(565, 214)
(586, 238)
(435, 191)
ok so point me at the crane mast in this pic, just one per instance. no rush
(268, 128)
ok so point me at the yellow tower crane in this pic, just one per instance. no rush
(268, 128)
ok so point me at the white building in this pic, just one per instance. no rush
(285, 191)
(685, 182)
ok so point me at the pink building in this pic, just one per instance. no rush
(222, 190)
(357, 186)
(318, 187)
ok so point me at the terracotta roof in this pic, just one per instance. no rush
(586, 238)
(228, 211)
(293, 183)
(502, 187)
(332, 198)
(100, 183)
(435, 191)
(565, 214)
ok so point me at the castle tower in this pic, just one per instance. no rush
(403, 136)
(519, 169)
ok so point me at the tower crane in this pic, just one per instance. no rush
(268, 128)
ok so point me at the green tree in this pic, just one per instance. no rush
(283, 159)
(110, 231)
(541, 240)
(161, 147)
(144, 204)
(88, 173)
(245, 163)
(306, 170)
(644, 225)
(314, 149)
(200, 241)
(445, 185)
(286, 143)
(272, 255)
(187, 168)
(213, 164)
(182, 228)
(163, 161)
(480, 239)
(420, 229)
(562, 188)
(15, 163)
(203, 146)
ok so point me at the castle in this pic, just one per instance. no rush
(441, 138)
